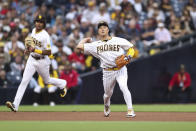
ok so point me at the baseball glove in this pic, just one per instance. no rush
(29, 42)
(122, 60)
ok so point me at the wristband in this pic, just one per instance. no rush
(38, 51)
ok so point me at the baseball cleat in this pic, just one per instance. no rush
(11, 106)
(106, 111)
(130, 113)
(63, 92)
(35, 104)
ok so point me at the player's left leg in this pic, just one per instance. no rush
(122, 81)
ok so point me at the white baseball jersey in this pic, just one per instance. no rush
(43, 41)
(41, 66)
(108, 51)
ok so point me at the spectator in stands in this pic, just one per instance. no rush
(68, 26)
(180, 85)
(128, 10)
(60, 50)
(120, 29)
(15, 75)
(102, 15)
(43, 9)
(112, 4)
(175, 28)
(166, 7)
(14, 47)
(5, 8)
(89, 13)
(6, 57)
(72, 77)
(5, 32)
(133, 30)
(84, 26)
(189, 5)
(162, 34)
(78, 60)
(3, 79)
(91, 32)
(193, 15)
(18, 65)
(187, 22)
(64, 37)
(76, 35)
(51, 18)
(24, 34)
(147, 34)
(139, 6)
(72, 14)
(116, 15)
(156, 12)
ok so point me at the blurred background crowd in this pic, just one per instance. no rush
(143, 22)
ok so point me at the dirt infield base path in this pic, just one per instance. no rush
(96, 116)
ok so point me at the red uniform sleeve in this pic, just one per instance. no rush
(70, 57)
(173, 80)
(187, 83)
(74, 80)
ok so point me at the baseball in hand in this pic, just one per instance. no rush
(88, 40)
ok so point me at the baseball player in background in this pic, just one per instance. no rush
(107, 49)
(38, 61)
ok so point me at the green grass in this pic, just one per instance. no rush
(138, 108)
(104, 125)
(96, 126)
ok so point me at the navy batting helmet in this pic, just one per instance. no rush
(40, 18)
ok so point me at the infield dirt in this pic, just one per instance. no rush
(96, 116)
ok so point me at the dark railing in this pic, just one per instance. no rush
(175, 42)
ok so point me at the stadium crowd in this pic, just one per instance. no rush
(143, 22)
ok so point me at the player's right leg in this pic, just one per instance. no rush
(27, 75)
(109, 82)
(43, 70)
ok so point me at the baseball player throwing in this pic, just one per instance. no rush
(109, 50)
(38, 61)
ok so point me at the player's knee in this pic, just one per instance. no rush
(105, 95)
(124, 88)
(108, 94)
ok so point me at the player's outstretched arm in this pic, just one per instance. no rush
(82, 42)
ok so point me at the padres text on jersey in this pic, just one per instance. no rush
(107, 47)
